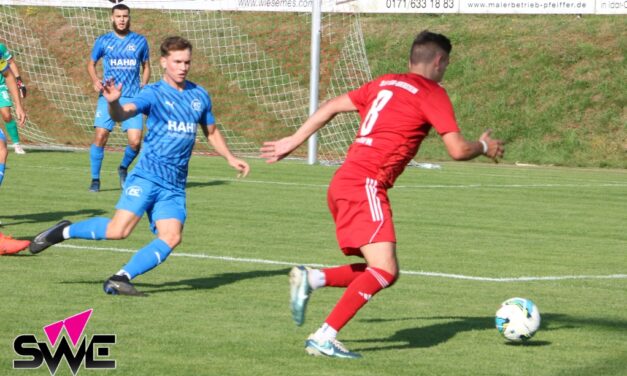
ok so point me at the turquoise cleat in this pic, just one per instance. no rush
(331, 348)
(300, 291)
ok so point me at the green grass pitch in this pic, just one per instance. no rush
(468, 236)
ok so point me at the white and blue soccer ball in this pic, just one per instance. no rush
(517, 319)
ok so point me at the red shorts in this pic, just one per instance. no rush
(361, 211)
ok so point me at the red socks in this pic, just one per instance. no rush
(342, 276)
(365, 284)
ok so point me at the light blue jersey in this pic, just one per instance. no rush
(173, 117)
(122, 59)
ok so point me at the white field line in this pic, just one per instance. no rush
(404, 272)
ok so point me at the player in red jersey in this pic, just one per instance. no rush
(397, 112)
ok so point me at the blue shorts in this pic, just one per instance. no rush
(103, 120)
(143, 196)
(2, 136)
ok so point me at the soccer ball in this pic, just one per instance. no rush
(518, 319)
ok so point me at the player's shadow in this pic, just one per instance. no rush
(208, 283)
(432, 335)
(210, 183)
(47, 216)
(110, 189)
(425, 336)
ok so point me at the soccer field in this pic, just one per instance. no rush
(470, 236)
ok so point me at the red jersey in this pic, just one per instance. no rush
(397, 112)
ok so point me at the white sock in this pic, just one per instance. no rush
(325, 333)
(123, 273)
(316, 278)
(66, 232)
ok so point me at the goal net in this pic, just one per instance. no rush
(255, 65)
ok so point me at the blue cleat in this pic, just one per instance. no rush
(95, 185)
(331, 348)
(300, 291)
(122, 173)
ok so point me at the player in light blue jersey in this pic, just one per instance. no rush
(156, 186)
(123, 54)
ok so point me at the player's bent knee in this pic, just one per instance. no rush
(101, 138)
(394, 279)
(172, 240)
(117, 233)
(114, 236)
(386, 278)
(391, 272)
(391, 279)
(134, 144)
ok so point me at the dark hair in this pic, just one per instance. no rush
(174, 44)
(422, 49)
(120, 7)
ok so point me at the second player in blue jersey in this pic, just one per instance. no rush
(125, 59)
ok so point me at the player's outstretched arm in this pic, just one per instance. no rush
(461, 149)
(15, 95)
(274, 151)
(112, 93)
(215, 138)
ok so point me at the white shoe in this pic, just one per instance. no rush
(18, 149)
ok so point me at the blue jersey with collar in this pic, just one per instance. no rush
(122, 58)
(173, 117)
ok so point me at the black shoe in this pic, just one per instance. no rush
(49, 237)
(120, 285)
(122, 173)
(95, 185)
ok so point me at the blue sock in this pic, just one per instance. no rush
(129, 156)
(92, 229)
(147, 258)
(96, 155)
(1, 172)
